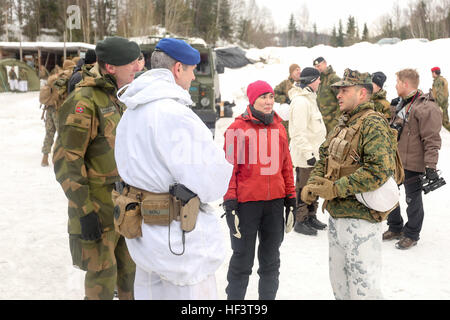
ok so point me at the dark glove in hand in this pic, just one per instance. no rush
(230, 205)
(290, 203)
(311, 161)
(431, 174)
(289, 213)
(91, 228)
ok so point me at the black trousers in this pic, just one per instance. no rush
(414, 210)
(264, 219)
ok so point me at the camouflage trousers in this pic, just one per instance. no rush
(108, 265)
(355, 259)
(50, 129)
(445, 120)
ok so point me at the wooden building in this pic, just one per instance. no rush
(48, 54)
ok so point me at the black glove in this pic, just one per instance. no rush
(230, 205)
(311, 161)
(232, 218)
(91, 228)
(290, 202)
(289, 213)
(431, 174)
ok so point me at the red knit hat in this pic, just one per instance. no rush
(256, 89)
(435, 69)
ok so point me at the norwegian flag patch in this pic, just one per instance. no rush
(79, 109)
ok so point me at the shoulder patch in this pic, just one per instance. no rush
(80, 106)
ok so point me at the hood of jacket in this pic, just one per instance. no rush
(379, 95)
(329, 70)
(153, 85)
(92, 77)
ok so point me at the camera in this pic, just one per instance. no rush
(431, 185)
(397, 126)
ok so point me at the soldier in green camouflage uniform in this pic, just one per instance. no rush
(85, 167)
(440, 94)
(56, 82)
(379, 95)
(282, 90)
(354, 229)
(326, 94)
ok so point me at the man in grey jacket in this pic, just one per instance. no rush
(418, 120)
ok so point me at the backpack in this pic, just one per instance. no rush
(54, 93)
(47, 95)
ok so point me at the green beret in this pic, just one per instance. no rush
(117, 51)
(353, 78)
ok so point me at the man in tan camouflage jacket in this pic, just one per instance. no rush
(364, 165)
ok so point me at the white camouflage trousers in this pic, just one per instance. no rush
(355, 259)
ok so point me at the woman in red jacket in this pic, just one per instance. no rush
(261, 186)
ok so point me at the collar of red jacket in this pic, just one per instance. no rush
(248, 116)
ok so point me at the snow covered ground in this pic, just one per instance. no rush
(35, 262)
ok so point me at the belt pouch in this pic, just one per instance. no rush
(155, 210)
(127, 216)
(189, 213)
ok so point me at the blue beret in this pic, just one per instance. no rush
(179, 50)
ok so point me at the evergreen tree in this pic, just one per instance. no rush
(388, 29)
(225, 24)
(315, 35)
(340, 36)
(333, 39)
(351, 31)
(365, 35)
(292, 31)
(244, 29)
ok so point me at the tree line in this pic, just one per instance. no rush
(216, 21)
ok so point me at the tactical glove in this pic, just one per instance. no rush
(311, 161)
(431, 174)
(91, 228)
(307, 196)
(289, 213)
(324, 188)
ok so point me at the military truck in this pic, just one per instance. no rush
(204, 90)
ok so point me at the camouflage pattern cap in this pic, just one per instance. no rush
(353, 78)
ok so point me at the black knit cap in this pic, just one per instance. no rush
(379, 78)
(117, 51)
(309, 75)
(90, 57)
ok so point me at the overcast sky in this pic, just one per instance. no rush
(326, 13)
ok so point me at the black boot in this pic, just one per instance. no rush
(304, 228)
(313, 222)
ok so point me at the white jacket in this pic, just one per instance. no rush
(160, 141)
(306, 127)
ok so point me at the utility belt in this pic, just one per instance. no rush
(132, 206)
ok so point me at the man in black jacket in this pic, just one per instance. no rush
(76, 77)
